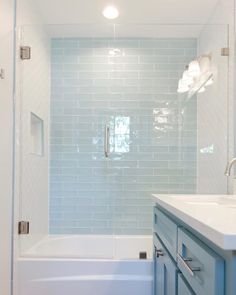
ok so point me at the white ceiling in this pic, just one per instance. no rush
(131, 11)
(138, 18)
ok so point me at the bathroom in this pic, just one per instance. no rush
(117, 167)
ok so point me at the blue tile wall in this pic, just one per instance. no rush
(131, 86)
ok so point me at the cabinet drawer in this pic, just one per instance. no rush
(166, 229)
(202, 267)
(183, 287)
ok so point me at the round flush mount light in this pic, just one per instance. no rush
(110, 12)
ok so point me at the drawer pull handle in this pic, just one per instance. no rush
(191, 270)
(159, 253)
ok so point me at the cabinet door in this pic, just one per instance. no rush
(159, 276)
(183, 288)
(165, 271)
(166, 230)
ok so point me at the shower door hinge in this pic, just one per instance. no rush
(225, 51)
(2, 74)
(23, 228)
(25, 52)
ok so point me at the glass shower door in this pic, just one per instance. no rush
(32, 134)
(102, 128)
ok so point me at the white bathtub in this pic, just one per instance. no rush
(86, 265)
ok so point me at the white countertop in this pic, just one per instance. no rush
(213, 216)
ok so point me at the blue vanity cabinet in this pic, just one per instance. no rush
(184, 264)
(183, 287)
(166, 271)
(167, 231)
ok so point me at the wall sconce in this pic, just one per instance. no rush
(194, 70)
(182, 87)
(197, 75)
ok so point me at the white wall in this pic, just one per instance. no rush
(215, 111)
(6, 128)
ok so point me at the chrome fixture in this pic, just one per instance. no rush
(25, 52)
(159, 253)
(23, 227)
(107, 141)
(184, 262)
(225, 51)
(229, 167)
(142, 255)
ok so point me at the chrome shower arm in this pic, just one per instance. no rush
(229, 167)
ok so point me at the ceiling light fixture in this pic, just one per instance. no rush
(182, 87)
(111, 12)
(186, 78)
(194, 69)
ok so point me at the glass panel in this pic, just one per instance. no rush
(32, 131)
(116, 130)
(213, 114)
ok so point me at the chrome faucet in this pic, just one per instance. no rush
(229, 167)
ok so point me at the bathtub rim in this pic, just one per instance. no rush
(116, 240)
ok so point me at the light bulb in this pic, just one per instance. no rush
(110, 12)
(182, 87)
(186, 79)
(194, 69)
(205, 64)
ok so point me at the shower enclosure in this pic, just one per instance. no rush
(100, 127)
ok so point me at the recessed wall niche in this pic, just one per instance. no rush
(37, 135)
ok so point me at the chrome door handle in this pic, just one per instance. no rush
(107, 141)
(159, 253)
(190, 270)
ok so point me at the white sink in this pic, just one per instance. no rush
(201, 203)
(216, 201)
(205, 200)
